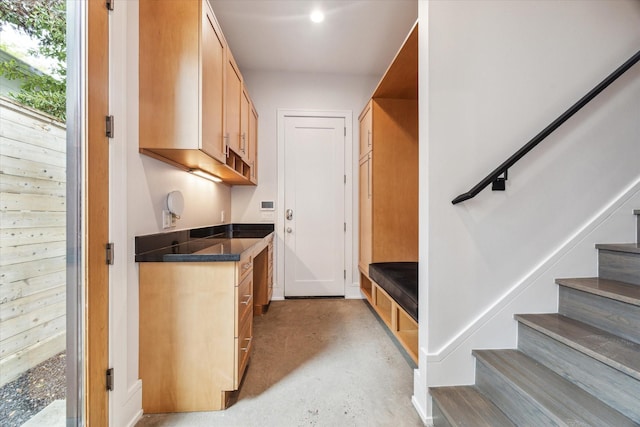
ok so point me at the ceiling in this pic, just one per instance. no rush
(356, 37)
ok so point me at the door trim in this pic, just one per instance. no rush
(97, 215)
(347, 115)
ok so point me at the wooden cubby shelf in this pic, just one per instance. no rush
(399, 322)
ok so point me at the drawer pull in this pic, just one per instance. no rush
(246, 349)
(248, 297)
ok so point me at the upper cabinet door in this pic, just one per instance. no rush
(213, 64)
(244, 125)
(233, 94)
(253, 145)
(169, 74)
(366, 131)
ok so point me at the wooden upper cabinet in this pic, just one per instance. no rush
(253, 144)
(190, 90)
(388, 194)
(244, 124)
(366, 135)
(213, 63)
(169, 74)
(233, 96)
(389, 183)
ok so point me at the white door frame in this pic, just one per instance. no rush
(347, 115)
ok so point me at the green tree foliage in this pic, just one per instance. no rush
(44, 20)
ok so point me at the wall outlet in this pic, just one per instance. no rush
(167, 219)
(222, 216)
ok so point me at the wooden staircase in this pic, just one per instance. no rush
(577, 367)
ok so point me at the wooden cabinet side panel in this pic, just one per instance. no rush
(169, 74)
(187, 343)
(260, 276)
(395, 180)
(365, 197)
(213, 64)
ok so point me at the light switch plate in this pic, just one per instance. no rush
(167, 219)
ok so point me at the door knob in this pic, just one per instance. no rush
(289, 230)
(289, 214)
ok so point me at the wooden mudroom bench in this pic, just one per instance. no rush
(392, 290)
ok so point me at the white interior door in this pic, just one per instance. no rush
(314, 262)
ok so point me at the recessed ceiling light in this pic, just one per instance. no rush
(317, 16)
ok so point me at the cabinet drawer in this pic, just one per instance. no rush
(245, 266)
(244, 344)
(244, 301)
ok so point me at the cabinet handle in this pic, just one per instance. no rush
(244, 142)
(369, 138)
(226, 145)
(246, 266)
(248, 297)
(246, 349)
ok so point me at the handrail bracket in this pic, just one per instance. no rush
(500, 183)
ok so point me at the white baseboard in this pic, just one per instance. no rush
(353, 291)
(428, 421)
(135, 419)
(133, 404)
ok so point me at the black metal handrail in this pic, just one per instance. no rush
(495, 176)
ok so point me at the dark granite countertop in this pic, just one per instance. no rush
(207, 244)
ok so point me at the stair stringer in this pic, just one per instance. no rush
(496, 328)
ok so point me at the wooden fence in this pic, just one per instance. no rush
(32, 239)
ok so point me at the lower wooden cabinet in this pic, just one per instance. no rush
(196, 323)
(263, 278)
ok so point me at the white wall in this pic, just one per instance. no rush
(494, 74)
(273, 90)
(139, 185)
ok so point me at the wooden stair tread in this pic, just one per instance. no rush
(603, 346)
(560, 399)
(466, 406)
(633, 248)
(613, 289)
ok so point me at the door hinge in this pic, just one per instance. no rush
(345, 227)
(345, 131)
(109, 4)
(110, 379)
(345, 274)
(109, 126)
(345, 179)
(109, 253)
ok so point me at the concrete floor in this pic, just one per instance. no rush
(316, 362)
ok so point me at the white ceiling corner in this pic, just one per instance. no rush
(357, 36)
